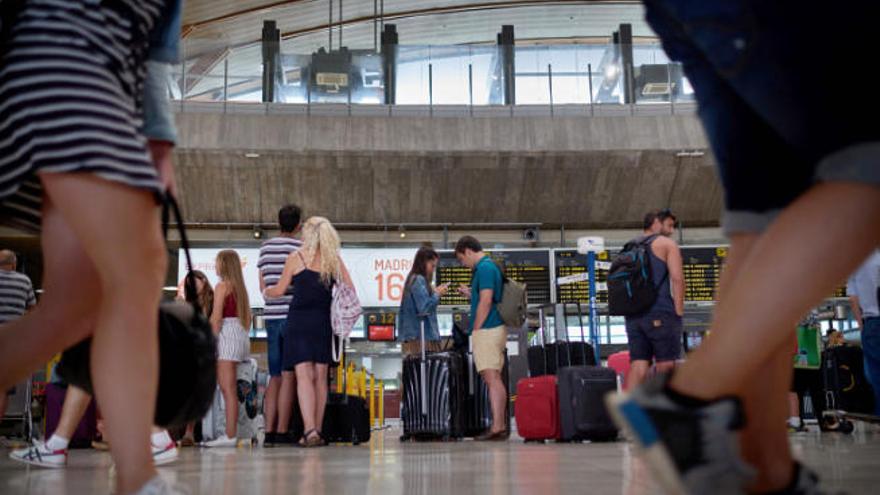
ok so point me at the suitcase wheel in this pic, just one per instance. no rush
(847, 427)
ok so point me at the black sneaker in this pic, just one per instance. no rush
(804, 482)
(690, 450)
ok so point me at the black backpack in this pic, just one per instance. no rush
(631, 289)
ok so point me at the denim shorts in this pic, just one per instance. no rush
(654, 337)
(275, 344)
(783, 93)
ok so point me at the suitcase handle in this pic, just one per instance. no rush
(423, 365)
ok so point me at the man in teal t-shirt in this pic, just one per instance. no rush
(489, 336)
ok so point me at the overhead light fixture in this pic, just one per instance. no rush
(611, 71)
(402, 232)
(251, 155)
(258, 233)
(693, 153)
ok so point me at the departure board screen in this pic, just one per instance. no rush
(570, 262)
(702, 272)
(530, 267)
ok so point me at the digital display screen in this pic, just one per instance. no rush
(702, 272)
(380, 326)
(380, 333)
(531, 267)
(570, 262)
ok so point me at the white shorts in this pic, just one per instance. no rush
(233, 343)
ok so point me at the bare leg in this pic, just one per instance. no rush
(115, 225)
(59, 321)
(638, 372)
(757, 307)
(664, 366)
(285, 400)
(270, 404)
(76, 401)
(321, 391)
(498, 398)
(305, 388)
(226, 377)
(764, 441)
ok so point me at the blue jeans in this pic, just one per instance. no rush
(871, 349)
(275, 343)
(771, 98)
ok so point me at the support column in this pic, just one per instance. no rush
(626, 61)
(271, 59)
(508, 63)
(389, 62)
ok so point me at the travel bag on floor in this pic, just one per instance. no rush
(478, 407)
(214, 422)
(846, 387)
(346, 419)
(433, 395)
(582, 389)
(536, 407)
(85, 432)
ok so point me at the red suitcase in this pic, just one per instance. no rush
(537, 408)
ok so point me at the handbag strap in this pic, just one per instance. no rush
(169, 207)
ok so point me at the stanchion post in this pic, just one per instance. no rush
(372, 401)
(381, 403)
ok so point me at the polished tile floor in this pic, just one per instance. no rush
(388, 467)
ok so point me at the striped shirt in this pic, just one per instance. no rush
(273, 254)
(16, 295)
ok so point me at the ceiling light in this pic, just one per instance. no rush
(251, 155)
(611, 71)
(402, 232)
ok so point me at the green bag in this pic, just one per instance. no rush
(809, 348)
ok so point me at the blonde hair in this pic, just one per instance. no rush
(229, 269)
(319, 237)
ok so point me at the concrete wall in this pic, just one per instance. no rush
(599, 172)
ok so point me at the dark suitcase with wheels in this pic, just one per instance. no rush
(582, 411)
(582, 389)
(478, 407)
(546, 359)
(346, 419)
(433, 395)
(846, 387)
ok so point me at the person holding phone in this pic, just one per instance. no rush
(419, 304)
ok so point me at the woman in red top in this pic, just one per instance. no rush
(231, 319)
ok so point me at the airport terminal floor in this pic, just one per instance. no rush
(386, 466)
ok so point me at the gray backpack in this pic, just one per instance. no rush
(513, 304)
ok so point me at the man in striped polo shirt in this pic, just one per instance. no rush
(16, 297)
(279, 395)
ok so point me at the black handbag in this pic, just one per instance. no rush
(187, 352)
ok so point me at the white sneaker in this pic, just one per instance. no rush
(40, 455)
(158, 486)
(223, 441)
(165, 455)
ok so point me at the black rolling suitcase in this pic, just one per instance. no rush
(547, 358)
(582, 411)
(433, 395)
(346, 417)
(478, 408)
(846, 387)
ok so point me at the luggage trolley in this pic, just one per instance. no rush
(18, 408)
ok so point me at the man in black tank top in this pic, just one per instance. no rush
(655, 336)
